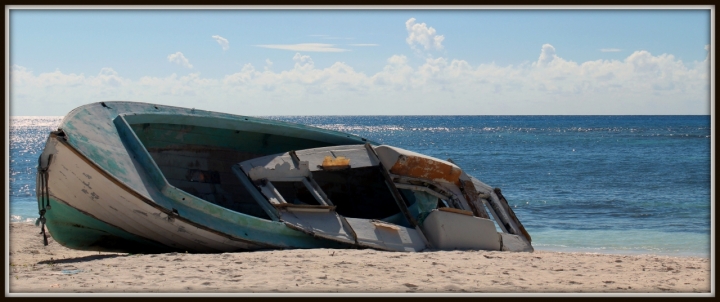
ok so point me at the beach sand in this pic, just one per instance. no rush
(35, 268)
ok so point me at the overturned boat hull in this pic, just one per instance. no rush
(142, 178)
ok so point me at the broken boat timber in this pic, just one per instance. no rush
(144, 178)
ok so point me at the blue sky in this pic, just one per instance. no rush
(270, 62)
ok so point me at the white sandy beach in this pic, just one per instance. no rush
(35, 268)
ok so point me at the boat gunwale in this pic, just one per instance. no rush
(254, 122)
(211, 114)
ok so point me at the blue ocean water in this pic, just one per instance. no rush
(609, 184)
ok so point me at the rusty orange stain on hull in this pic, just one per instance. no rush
(339, 163)
(426, 168)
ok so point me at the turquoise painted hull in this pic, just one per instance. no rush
(76, 230)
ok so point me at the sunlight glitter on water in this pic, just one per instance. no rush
(35, 121)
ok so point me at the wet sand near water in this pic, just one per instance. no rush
(35, 268)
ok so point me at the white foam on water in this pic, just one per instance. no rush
(18, 218)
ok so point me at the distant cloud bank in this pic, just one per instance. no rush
(610, 50)
(642, 83)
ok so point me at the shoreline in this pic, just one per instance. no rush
(39, 269)
(538, 248)
(623, 253)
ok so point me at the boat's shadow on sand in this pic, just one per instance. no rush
(79, 259)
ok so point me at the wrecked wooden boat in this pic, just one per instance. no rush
(145, 178)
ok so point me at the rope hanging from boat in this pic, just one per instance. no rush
(44, 196)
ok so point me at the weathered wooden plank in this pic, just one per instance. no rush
(512, 215)
(255, 194)
(309, 181)
(456, 211)
(385, 236)
(471, 196)
(271, 193)
(317, 221)
(505, 219)
(315, 193)
(494, 215)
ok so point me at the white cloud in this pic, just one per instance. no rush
(547, 54)
(398, 60)
(109, 77)
(420, 33)
(179, 59)
(222, 41)
(22, 76)
(397, 75)
(610, 49)
(310, 47)
(642, 83)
